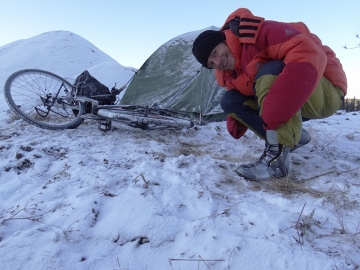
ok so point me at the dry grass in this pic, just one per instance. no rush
(31, 211)
(288, 187)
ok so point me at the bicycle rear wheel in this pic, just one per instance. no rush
(43, 99)
(144, 118)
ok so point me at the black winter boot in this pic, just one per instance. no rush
(304, 139)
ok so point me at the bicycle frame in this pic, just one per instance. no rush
(48, 101)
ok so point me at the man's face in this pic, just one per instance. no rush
(221, 58)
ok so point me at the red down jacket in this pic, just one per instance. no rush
(306, 61)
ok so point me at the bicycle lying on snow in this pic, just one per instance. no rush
(48, 101)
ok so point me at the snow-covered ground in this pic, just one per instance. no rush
(165, 199)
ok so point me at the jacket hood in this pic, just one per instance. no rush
(244, 25)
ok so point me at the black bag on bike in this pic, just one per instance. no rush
(86, 85)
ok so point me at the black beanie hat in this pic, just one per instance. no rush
(205, 43)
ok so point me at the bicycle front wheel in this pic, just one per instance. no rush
(43, 99)
(136, 116)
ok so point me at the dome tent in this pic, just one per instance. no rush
(173, 79)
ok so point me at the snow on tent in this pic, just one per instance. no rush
(173, 79)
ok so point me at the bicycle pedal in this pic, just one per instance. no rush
(104, 125)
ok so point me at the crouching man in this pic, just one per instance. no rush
(277, 76)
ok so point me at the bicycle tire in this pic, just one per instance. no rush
(154, 119)
(29, 92)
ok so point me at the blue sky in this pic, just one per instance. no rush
(130, 31)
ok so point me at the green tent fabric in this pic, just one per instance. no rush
(173, 79)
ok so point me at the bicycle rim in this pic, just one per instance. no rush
(43, 99)
(138, 119)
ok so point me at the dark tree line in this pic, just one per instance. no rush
(351, 105)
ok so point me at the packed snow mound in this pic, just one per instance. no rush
(63, 53)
